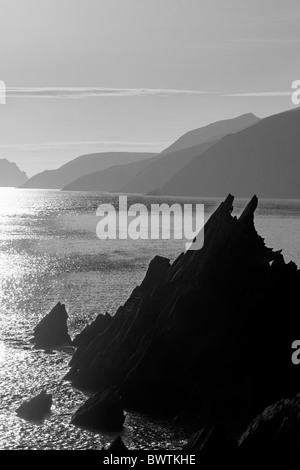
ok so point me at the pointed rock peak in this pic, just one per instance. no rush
(163, 351)
(52, 330)
(229, 200)
(157, 269)
(247, 215)
(226, 207)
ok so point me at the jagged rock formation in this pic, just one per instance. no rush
(208, 336)
(36, 408)
(52, 330)
(102, 411)
(276, 429)
(210, 438)
(90, 331)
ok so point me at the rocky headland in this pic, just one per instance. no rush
(205, 339)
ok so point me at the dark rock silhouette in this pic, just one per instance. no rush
(277, 428)
(52, 330)
(10, 174)
(83, 165)
(90, 331)
(37, 408)
(102, 411)
(117, 444)
(207, 337)
(86, 340)
(210, 438)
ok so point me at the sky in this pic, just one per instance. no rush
(86, 76)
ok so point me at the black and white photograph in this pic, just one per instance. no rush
(150, 228)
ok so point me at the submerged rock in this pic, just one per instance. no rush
(102, 411)
(208, 336)
(37, 408)
(52, 330)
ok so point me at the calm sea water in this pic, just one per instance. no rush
(49, 252)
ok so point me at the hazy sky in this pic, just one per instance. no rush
(93, 75)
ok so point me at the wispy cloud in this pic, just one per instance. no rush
(260, 94)
(101, 145)
(87, 92)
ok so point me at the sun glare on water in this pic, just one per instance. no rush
(2, 353)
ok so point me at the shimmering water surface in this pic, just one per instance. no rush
(49, 252)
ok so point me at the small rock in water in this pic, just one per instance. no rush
(36, 408)
(52, 330)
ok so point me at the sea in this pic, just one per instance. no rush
(50, 252)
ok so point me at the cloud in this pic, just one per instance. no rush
(87, 92)
(101, 145)
(260, 94)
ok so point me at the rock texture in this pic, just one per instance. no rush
(207, 337)
(276, 429)
(211, 438)
(90, 331)
(102, 411)
(36, 408)
(52, 330)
